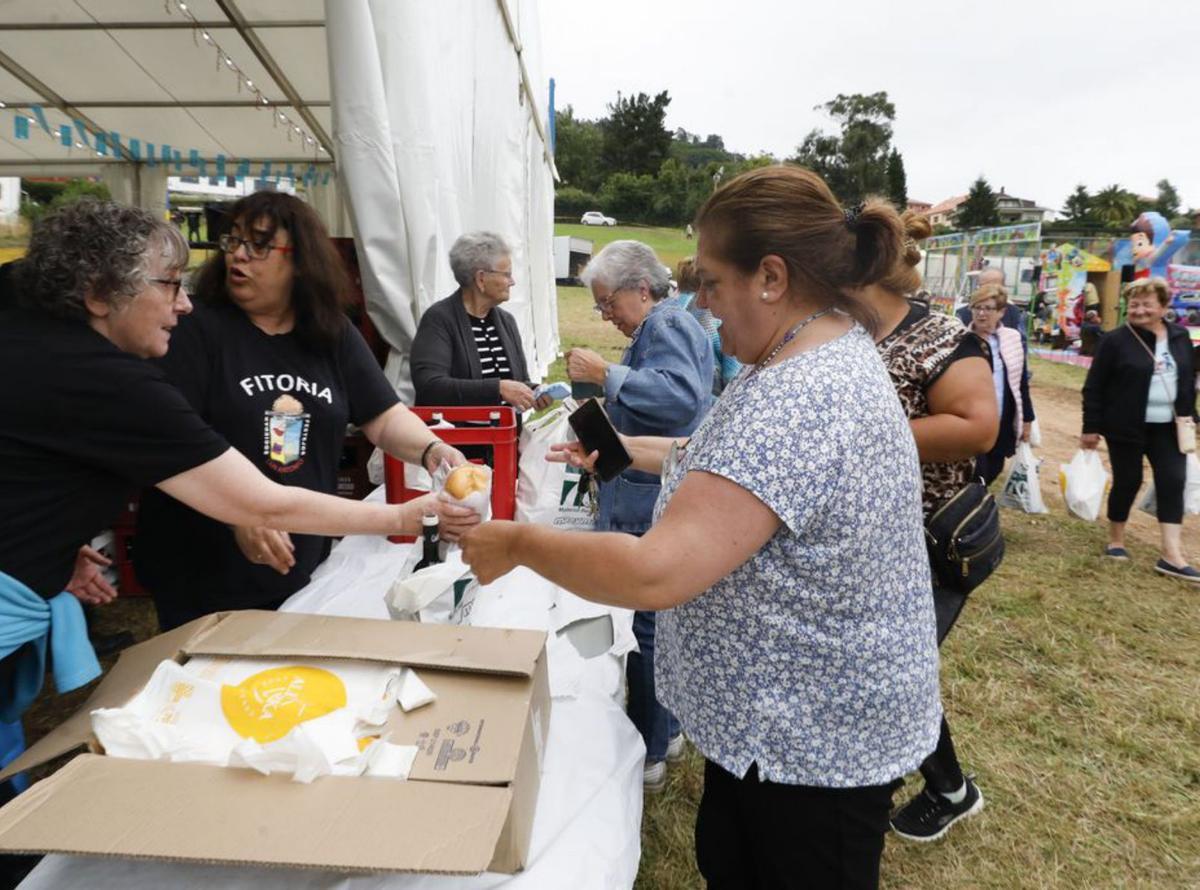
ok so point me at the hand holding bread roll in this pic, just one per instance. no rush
(469, 485)
(468, 478)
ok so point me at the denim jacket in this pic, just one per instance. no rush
(661, 388)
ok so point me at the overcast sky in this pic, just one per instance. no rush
(1037, 96)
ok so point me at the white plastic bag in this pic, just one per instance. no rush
(1022, 489)
(443, 593)
(550, 493)
(1191, 491)
(1035, 435)
(1083, 482)
(308, 719)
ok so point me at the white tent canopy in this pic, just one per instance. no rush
(438, 127)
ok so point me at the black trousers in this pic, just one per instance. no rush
(755, 835)
(1170, 473)
(941, 770)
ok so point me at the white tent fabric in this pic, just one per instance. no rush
(436, 133)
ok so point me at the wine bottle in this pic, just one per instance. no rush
(429, 542)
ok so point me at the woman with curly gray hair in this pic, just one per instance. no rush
(87, 420)
(467, 350)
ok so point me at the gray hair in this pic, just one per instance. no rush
(626, 264)
(476, 252)
(97, 248)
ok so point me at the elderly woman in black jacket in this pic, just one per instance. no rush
(467, 350)
(1141, 380)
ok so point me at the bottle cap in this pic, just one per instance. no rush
(429, 519)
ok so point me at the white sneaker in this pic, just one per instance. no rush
(675, 747)
(654, 776)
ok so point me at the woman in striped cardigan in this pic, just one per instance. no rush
(1010, 374)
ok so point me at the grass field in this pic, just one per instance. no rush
(671, 245)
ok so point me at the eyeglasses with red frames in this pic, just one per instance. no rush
(256, 250)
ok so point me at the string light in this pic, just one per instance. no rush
(262, 100)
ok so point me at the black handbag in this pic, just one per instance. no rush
(964, 539)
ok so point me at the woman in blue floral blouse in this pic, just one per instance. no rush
(797, 640)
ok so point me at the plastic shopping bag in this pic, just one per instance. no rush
(550, 493)
(1021, 487)
(305, 718)
(1083, 482)
(1191, 491)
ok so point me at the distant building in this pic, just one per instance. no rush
(920, 206)
(1014, 211)
(225, 187)
(944, 212)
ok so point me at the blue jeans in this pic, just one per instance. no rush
(656, 724)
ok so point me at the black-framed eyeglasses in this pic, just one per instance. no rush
(256, 250)
(174, 285)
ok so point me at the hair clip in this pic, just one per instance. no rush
(851, 214)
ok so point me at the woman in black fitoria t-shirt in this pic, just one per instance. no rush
(272, 364)
(87, 420)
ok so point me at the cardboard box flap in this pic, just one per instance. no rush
(126, 678)
(255, 634)
(106, 806)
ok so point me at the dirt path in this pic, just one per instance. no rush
(1059, 417)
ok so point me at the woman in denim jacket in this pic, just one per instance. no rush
(661, 388)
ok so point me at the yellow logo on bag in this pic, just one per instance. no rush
(268, 705)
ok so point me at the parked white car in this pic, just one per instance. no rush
(596, 218)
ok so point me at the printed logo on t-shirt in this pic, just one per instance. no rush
(285, 383)
(285, 434)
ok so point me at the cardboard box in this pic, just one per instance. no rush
(467, 807)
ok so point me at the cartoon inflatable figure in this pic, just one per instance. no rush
(1152, 242)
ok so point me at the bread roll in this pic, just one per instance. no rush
(467, 479)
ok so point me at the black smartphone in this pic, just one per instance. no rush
(596, 433)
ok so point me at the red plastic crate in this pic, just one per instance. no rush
(501, 436)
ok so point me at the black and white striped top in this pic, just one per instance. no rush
(491, 354)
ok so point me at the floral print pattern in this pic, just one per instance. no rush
(816, 658)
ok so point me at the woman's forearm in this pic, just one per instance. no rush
(649, 452)
(400, 433)
(232, 490)
(605, 567)
(948, 437)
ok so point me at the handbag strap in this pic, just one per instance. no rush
(1154, 362)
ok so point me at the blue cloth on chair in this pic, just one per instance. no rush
(27, 618)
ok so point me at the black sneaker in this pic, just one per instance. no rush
(1184, 573)
(929, 815)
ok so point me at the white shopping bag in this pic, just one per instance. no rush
(550, 493)
(1022, 489)
(1083, 482)
(1191, 491)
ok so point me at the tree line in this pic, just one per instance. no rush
(629, 165)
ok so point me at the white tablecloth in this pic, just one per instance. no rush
(587, 831)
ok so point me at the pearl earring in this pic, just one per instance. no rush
(765, 296)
